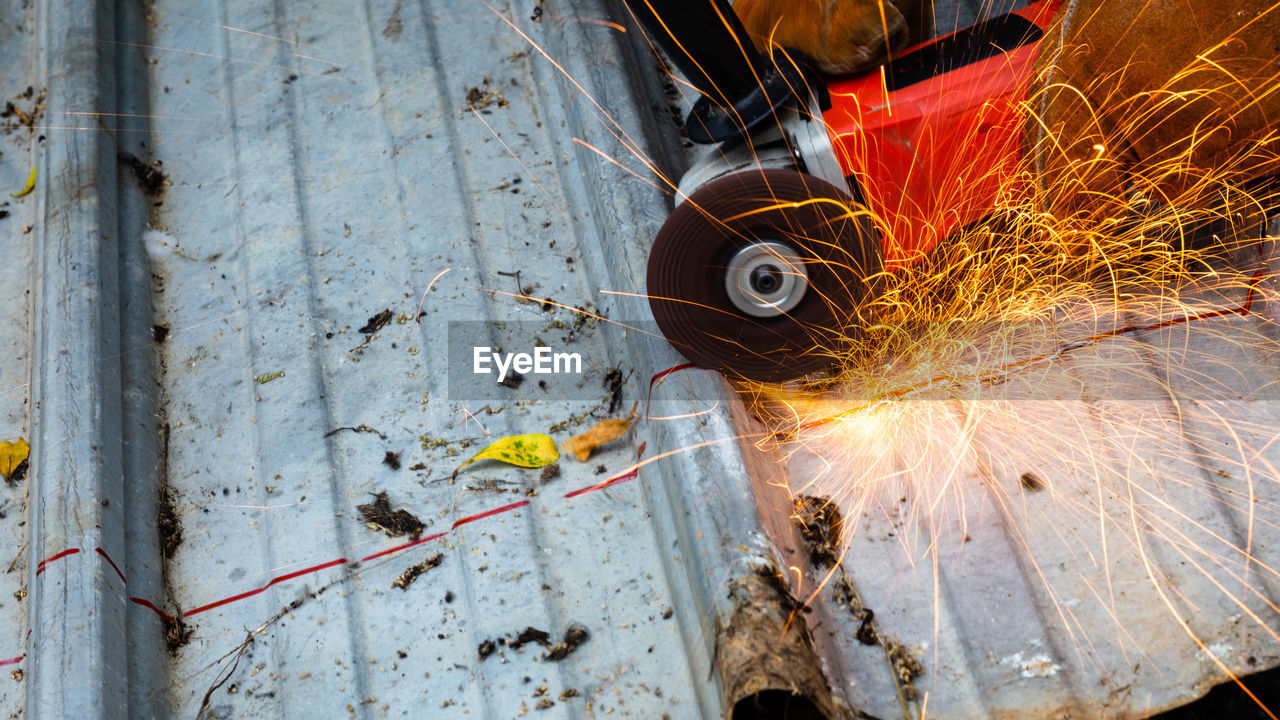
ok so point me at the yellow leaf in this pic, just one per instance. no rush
(12, 456)
(529, 451)
(31, 185)
(605, 431)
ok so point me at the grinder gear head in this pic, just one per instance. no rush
(756, 272)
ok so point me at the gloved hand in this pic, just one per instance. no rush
(839, 36)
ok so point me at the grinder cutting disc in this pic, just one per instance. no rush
(754, 274)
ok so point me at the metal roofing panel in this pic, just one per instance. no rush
(16, 45)
(300, 201)
(1104, 552)
(196, 343)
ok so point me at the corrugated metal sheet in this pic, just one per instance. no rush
(16, 48)
(1102, 555)
(197, 344)
(323, 165)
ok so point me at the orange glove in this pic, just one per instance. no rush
(840, 36)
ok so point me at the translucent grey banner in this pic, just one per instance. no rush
(1227, 357)
(564, 357)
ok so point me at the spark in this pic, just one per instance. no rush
(1087, 328)
(241, 30)
(137, 115)
(563, 212)
(417, 318)
(589, 21)
(83, 128)
(213, 56)
(266, 507)
(466, 422)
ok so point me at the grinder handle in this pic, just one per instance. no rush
(708, 43)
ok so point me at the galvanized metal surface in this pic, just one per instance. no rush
(323, 165)
(1128, 575)
(16, 49)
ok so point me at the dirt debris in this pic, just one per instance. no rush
(528, 635)
(450, 448)
(371, 328)
(377, 322)
(819, 522)
(906, 666)
(15, 117)
(549, 473)
(486, 649)
(152, 180)
(20, 472)
(168, 522)
(482, 96)
(415, 571)
(176, 634)
(574, 637)
(847, 595)
(395, 25)
(169, 525)
(578, 419)
(391, 460)
(378, 515)
(613, 381)
(585, 317)
(355, 429)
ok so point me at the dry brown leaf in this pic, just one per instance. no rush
(605, 431)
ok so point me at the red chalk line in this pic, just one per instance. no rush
(112, 563)
(659, 376)
(151, 606)
(255, 591)
(404, 546)
(630, 474)
(54, 558)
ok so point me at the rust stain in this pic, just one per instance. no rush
(768, 666)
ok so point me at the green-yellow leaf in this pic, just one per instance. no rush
(12, 456)
(31, 184)
(531, 451)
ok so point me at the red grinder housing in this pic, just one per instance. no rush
(808, 186)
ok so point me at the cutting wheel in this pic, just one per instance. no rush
(756, 272)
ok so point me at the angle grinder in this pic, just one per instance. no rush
(808, 188)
